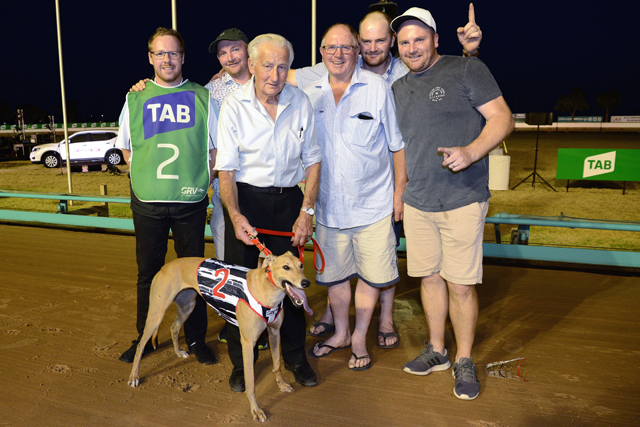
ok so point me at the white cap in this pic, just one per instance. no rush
(414, 13)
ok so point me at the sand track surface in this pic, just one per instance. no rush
(67, 301)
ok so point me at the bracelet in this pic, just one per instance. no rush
(466, 53)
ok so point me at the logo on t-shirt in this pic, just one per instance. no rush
(166, 113)
(436, 94)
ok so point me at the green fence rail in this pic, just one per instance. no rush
(518, 250)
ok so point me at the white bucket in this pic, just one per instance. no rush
(499, 172)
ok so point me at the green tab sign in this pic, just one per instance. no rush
(598, 164)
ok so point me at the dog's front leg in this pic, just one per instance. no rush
(249, 378)
(276, 355)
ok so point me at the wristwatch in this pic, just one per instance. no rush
(310, 211)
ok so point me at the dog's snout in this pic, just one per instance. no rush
(305, 283)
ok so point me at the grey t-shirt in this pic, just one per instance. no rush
(437, 108)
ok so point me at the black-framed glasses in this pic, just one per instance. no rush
(172, 55)
(333, 49)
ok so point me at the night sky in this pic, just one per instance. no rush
(537, 51)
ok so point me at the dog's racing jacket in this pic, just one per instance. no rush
(223, 286)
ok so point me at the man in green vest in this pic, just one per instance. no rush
(168, 138)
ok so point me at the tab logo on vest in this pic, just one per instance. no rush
(166, 113)
(600, 164)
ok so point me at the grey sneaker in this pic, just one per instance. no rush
(467, 385)
(428, 361)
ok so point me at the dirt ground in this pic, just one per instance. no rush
(67, 303)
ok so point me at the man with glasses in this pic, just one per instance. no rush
(376, 40)
(168, 138)
(359, 196)
(230, 48)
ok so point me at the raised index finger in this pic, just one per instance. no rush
(472, 14)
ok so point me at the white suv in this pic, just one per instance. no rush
(93, 146)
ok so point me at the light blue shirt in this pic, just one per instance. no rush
(261, 151)
(355, 137)
(308, 75)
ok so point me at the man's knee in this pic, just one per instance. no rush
(433, 280)
(461, 292)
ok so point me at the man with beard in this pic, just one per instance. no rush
(168, 137)
(451, 114)
(230, 48)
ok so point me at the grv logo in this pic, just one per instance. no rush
(600, 164)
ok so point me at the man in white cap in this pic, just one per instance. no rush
(451, 113)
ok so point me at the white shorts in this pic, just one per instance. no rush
(449, 243)
(367, 252)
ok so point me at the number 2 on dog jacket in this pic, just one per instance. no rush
(223, 286)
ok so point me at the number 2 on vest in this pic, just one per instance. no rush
(176, 153)
(215, 289)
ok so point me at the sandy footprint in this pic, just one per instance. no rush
(59, 369)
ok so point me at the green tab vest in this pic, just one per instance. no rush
(170, 143)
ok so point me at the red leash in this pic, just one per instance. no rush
(264, 250)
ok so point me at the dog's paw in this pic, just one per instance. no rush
(259, 415)
(134, 382)
(182, 354)
(285, 387)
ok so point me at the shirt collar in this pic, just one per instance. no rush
(249, 93)
(183, 81)
(356, 79)
(387, 72)
(226, 79)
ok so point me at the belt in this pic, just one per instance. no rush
(268, 190)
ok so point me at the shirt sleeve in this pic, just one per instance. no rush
(311, 153)
(213, 123)
(390, 122)
(307, 75)
(124, 133)
(480, 83)
(228, 157)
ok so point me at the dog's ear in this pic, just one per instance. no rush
(269, 260)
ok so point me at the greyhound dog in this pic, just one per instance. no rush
(180, 281)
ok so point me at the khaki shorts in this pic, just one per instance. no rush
(367, 252)
(449, 243)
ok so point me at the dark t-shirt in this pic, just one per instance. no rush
(437, 108)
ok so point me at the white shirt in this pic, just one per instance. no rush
(356, 136)
(262, 152)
